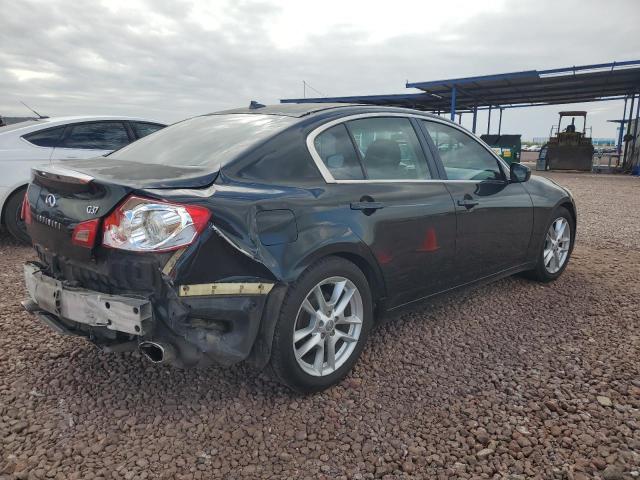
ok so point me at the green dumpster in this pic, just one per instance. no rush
(507, 146)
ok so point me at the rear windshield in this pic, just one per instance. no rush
(208, 141)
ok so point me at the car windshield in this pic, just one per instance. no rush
(208, 141)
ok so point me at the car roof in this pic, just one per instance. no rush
(299, 110)
(91, 118)
(284, 109)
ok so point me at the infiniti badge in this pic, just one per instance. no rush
(50, 200)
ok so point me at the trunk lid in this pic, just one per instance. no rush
(62, 196)
(140, 175)
(59, 200)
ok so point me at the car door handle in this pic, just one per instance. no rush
(468, 204)
(366, 205)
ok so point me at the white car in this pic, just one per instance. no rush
(49, 140)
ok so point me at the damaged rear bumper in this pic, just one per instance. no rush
(198, 324)
(115, 312)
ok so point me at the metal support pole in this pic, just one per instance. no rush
(489, 121)
(453, 104)
(475, 117)
(620, 132)
(626, 143)
(500, 122)
(635, 128)
(559, 123)
(459, 119)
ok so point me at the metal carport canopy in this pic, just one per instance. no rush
(577, 84)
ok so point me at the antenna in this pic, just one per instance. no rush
(39, 116)
(306, 85)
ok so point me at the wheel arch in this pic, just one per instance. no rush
(376, 282)
(360, 256)
(354, 253)
(3, 210)
(568, 204)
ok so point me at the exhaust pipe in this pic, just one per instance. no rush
(157, 352)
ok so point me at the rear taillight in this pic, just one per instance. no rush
(25, 213)
(84, 234)
(146, 225)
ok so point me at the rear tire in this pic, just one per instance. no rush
(13, 216)
(548, 270)
(332, 338)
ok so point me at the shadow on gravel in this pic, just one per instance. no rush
(7, 240)
(128, 381)
(461, 344)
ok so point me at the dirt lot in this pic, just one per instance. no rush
(514, 380)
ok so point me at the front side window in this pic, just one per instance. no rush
(97, 136)
(45, 138)
(336, 151)
(463, 157)
(389, 149)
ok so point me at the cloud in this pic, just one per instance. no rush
(167, 60)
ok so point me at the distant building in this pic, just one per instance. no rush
(603, 141)
(540, 140)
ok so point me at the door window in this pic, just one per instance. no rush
(389, 149)
(337, 152)
(463, 157)
(45, 138)
(142, 129)
(97, 136)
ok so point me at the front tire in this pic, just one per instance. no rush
(323, 326)
(555, 251)
(13, 217)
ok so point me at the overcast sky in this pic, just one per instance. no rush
(169, 59)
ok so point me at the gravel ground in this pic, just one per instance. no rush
(514, 380)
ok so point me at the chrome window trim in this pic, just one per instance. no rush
(431, 180)
(328, 177)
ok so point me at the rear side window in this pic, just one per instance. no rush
(142, 129)
(97, 136)
(463, 157)
(45, 138)
(389, 148)
(338, 154)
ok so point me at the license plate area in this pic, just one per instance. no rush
(131, 315)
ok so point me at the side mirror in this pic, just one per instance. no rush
(519, 173)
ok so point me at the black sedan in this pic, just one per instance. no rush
(278, 235)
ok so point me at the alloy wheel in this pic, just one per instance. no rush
(328, 326)
(556, 245)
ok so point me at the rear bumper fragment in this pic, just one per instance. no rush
(130, 315)
(48, 319)
(201, 324)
